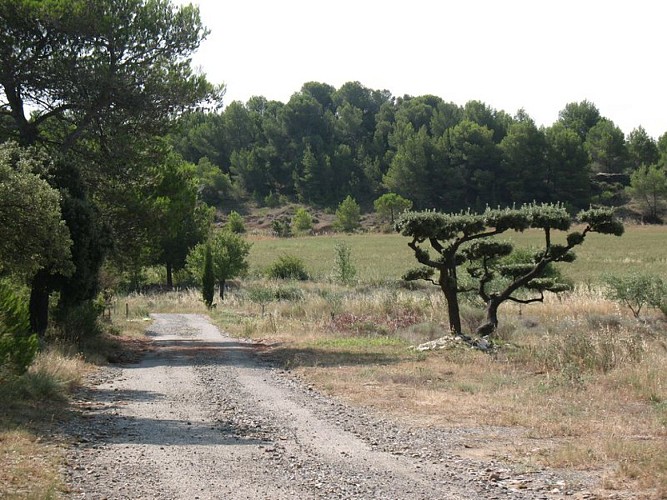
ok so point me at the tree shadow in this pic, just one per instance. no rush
(289, 357)
(191, 351)
(104, 421)
(113, 429)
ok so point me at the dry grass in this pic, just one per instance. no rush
(36, 404)
(33, 407)
(29, 467)
(582, 383)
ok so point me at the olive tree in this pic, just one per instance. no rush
(467, 239)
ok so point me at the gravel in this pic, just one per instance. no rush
(203, 417)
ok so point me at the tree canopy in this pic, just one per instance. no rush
(467, 239)
(92, 83)
(33, 234)
(326, 143)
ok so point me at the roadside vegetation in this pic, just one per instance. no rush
(576, 382)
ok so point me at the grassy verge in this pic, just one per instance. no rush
(34, 405)
(37, 404)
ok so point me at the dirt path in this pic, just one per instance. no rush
(201, 417)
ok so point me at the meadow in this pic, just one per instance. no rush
(381, 257)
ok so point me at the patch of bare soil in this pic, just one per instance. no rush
(202, 416)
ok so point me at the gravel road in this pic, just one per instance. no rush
(201, 417)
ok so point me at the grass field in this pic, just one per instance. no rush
(382, 257)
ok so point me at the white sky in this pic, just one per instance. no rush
(533, 54)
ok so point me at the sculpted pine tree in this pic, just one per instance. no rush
(466, 239)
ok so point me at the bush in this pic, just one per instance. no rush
(18, 345)
(235, 223)
(281, 227)
(272, 200)
(302, 221)
(208, 278)
(80, 322)
(348, 215)
(637, 291)
(344, 268)
(288, 267)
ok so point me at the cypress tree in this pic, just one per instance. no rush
(208, 279)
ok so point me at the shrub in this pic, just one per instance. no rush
(637, 291)
(281, 227)
(208, 278)
(17, 345)
(348, 215)
(235, 223)
(272, 200)
(79, 322)
(288, 267)
(302, 221)
(344, 268)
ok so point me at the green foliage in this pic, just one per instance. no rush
(288, 267)
(235, 223)
(419, 273)
(648, 188)
(272, 200)
(302, 221)
(208, 278)
(601, 220)
(18, 345)
(92, 87)
(344, 267)
(464, 238)
(348, 215)
(178, 220)
(229, 253)
(33, 234)
(214, 186)
(79, 322)
(281, 227)
(637, 291)
(390, 205)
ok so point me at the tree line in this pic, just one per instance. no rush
(326, 143)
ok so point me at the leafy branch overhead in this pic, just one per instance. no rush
(466, 239)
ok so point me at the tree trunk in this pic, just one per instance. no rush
(222, 289)
(170, 277)
(453, 312)
(489, 326)
(39, 303)
(449, 285)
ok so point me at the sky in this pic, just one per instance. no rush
(537, 55)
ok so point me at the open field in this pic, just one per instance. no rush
(381, 257)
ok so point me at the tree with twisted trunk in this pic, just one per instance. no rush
(467, 240)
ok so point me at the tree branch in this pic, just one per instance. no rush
(527, 301)
(421, 255)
